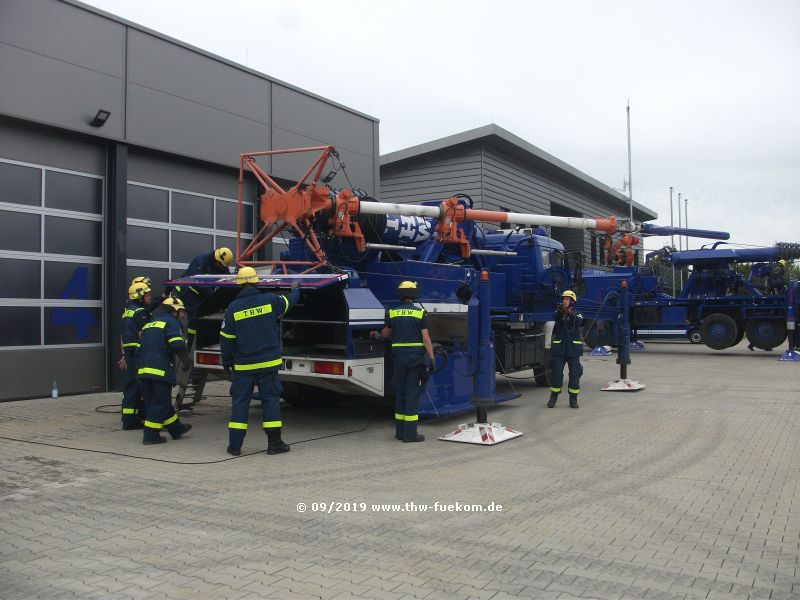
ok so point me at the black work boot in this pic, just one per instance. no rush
(179, 430)
(573, 400)
(234, 451)
(131, 425)
(274, 443)
(418, 438)
(152, 436)
(553, 399)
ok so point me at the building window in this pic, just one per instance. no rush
(168, 227)
(51, 250)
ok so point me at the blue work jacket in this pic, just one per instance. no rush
(133, 319)
(567, 339)
(407, 322)
(161, 339)
(249, 336)
(203, 264)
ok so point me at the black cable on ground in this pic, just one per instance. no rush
(177, 462)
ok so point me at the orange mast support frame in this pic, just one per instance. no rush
(285, 209)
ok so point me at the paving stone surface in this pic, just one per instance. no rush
(685, 490)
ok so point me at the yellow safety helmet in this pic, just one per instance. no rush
(246, 275)
(174, 303)
(569, 294)
(407, 289)
(782, 262)
(138, 290)
(224, 256)
(142, 279)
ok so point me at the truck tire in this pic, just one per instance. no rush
(719, 331)
(766, 333)
(694, 336)
(541, 373)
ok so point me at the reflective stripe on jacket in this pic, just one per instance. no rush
(161, 339)
(250, 335)
(133, 319)
(407, 322)
(567, 334)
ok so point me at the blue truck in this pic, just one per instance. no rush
(717, 304)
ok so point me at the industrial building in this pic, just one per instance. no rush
(119, 156)
(500, 171)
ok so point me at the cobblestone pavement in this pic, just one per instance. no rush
(684, 490)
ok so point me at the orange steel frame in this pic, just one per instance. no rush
(288, 209)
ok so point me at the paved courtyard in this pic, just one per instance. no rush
(687, 489)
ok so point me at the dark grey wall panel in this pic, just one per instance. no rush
(302, 114)
(161, 65)
(293, 166)
(182, 175)
(64, 62)
(435, 178)
(57, 92)
(37, 145)
(159, 120)
(76, 370)
(61, 75)
(46, 27)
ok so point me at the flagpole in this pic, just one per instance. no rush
(630, 182)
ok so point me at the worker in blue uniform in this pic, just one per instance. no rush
(251, 347)
(162, 340)
(155, 301)
(412, 354)
(210, 263)
(134, 318)
(566, 347)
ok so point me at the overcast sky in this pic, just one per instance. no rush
(714, 86)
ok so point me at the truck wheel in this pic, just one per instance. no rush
(541, 373)
(718, 331)
(694, 336)
(766, 333)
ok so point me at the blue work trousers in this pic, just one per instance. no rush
(557, 373)
(160, 412)
(132, 400)
(269, 391)
(407, 390)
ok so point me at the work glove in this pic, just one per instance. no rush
(295, 286)
(227, 369)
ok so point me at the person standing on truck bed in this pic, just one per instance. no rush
(566, 347)
(211, 263)
(134, 318)
(251, 346)
(162, 339)
(412, 352)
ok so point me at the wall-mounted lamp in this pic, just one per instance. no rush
(100, 118)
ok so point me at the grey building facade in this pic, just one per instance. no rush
(84, 208)
(501, 171)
